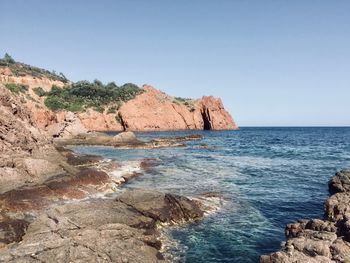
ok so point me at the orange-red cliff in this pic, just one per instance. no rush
(151, 110)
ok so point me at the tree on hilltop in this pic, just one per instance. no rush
(8, 59)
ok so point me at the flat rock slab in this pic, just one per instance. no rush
(102, 230)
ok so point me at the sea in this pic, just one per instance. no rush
(265, 178)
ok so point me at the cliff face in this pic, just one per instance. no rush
(152, 110)
(25, 152)
(7, 76)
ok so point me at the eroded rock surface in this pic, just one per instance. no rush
(155, 110)
(320, 240)
(104, 230)
(26, 154)
(126, 140)
(151, 110)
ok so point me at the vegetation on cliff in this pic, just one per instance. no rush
(16, 88)
(20, 69)
(84, 94)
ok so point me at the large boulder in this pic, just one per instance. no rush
(162, 207)
(68, 125)
(125, 137)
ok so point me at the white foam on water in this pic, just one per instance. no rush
(126, 168)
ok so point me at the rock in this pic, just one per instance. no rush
(26, 154)
(194, 137)
(125, 140)
(214, 115)
(293, 257)
(154, 110)
(103, 230)
(40, 167)
(7, 76)
(338, 207)
(320, 240)
(97, 121)
(149, 111)
(125, 137)
(69, 126)
(162, 207)
(340, 182)
(340, 251)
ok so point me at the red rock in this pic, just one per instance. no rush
(152, 110)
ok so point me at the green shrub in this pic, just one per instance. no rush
(99, 109)
(39, 91)
(96, 95)
(55, 103)
(8, 59)
(16, 88)
(75, 107)
(112, 109)
(21, 69)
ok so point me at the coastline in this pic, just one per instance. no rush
(320, 240)
(94, 188)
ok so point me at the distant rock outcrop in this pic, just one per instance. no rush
(152, 110)
(155, 110)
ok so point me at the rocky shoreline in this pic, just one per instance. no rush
(63, 220)
(56, 205)
(316, 240)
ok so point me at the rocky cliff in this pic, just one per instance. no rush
(155, 110)
(25, 152)
(151, 110)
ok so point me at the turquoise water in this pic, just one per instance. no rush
(269, 177)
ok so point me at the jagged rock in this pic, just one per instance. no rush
(338, 206)
(320, 240)
(154, 110)
(26, 154)
(293, 257)
(69, 126)
(162, 207)
(340, 182)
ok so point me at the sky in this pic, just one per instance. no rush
(272, 62)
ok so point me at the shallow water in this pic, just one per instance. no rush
(269, 177)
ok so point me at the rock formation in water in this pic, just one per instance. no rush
(320, 241)
(151, 110)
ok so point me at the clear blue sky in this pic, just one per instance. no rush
(278, 62)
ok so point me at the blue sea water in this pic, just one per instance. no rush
(269, 177)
